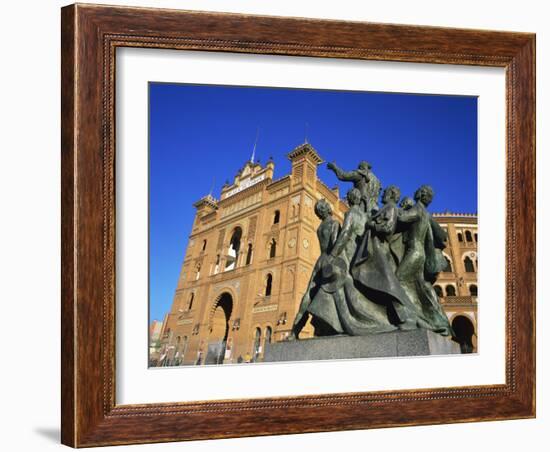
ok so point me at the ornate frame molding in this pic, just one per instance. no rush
(90, 36)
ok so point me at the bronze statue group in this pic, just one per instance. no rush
(376, 271)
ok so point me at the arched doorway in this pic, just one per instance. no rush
(464, 332)
(257, 343)
(219, 329)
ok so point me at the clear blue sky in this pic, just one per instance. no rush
(201, 135)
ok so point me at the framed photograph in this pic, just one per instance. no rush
(292, 225)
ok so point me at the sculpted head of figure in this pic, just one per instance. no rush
(323, 209)
(406, 203)
(354, 197)
(391, 193)
(424, 194)
(365, 166)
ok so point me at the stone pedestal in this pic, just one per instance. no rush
(396, 343)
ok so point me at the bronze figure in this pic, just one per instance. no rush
(375, 273)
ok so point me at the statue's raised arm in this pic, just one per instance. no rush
(345, 176)
(364, 180)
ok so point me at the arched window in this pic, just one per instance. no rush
(217, 266)
(268, 334)
(257, 341)
(468, 236)
(191, 298)
(448, 267)
(468, 265)
(459, 235)
(438, 290)
(204, 244)
(475, 237)
(276, 217)
(272, 248)
(249, 254)
(450, 291)
(268, 284)
(473, 290)
(198, 274)
(234, 247)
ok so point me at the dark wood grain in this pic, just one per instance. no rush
(68, 311)
(90, 36)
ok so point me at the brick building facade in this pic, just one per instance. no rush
(457, 287)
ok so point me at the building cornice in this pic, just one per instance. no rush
(305, 149)
(454, 215)
(278, 183)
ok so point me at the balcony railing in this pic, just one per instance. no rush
(460, 300)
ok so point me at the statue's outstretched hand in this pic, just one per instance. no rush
(331, 166)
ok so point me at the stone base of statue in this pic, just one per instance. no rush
(396, 343)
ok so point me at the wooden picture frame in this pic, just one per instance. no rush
(90, 36)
